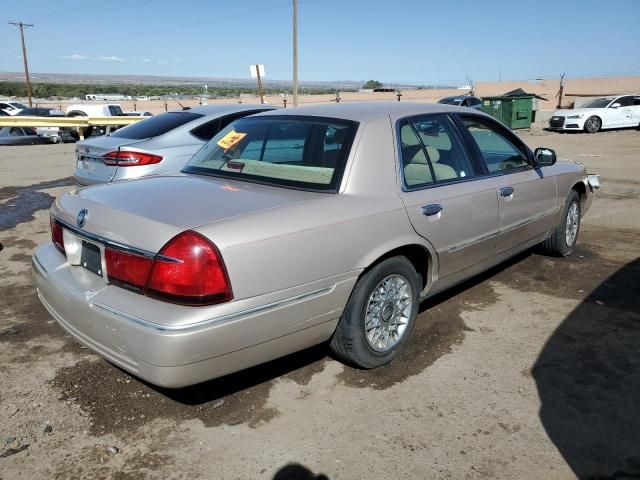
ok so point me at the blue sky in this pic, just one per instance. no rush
(413, 41)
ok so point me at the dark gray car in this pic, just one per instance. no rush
(22, 136)
(158, 144)
(463, 101)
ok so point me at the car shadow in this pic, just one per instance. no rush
(588, 380)
(236, 382)
(295, 471)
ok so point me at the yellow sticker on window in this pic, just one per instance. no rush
(230, 139)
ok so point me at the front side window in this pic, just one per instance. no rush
(625, 101)
(300, 152)
(498, 152)
(431, 152)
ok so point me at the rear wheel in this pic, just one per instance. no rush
(87, 131)
(593, 124)
(563, 240)
(380, 314)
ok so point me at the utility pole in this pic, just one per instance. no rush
(559, 95)
(259, 84)
(295, 53)
(21, 26)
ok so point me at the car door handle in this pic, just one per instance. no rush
(506, 191)
(432, 209)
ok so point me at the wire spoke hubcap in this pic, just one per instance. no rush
(388, 312)
(573, 221)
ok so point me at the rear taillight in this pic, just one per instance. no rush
(122, 158)
(56, 235)
(126, 270)
(189, 270)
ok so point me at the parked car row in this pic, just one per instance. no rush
(264, 231)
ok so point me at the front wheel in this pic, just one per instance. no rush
(380, 314)
(563, 240)
(592, 125)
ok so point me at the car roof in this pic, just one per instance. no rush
(368, 111)
(226, 108)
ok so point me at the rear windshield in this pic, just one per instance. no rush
(299, 152)
(154, 126)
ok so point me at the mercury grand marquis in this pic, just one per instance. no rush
(292, 228)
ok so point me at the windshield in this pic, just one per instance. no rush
(300, 152)
(154, 126)
(450, 101)
(597, 103)
(17, 105)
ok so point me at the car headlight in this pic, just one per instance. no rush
(576, 116)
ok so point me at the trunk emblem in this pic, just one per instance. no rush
(81, 218)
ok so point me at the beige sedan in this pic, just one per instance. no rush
(293, 228)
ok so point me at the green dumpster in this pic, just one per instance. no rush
(514, 111)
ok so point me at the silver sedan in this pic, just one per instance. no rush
(292, 228)
(160, 144)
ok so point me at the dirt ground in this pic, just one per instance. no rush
(529, 371)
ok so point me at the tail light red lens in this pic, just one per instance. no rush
(196, 275)
(123, 158)
(126, 270)
(56, 235)
(188, 270)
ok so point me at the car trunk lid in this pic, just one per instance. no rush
(147, 213)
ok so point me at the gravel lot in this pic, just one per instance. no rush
(529, 371)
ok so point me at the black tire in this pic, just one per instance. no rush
(87, 131)
(349, 342)
(592, 124)
(557, 244)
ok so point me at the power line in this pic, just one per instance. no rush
(21, 26)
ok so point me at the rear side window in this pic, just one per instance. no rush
(154, 126)
(431, 152)
(207, 130)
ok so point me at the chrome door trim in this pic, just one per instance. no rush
(474, 241)
(526, 221)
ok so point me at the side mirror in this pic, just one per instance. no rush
(615, 105)
(544, 157)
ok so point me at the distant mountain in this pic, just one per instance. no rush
(168, 80)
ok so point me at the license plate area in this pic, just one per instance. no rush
(88, 163)
(91, 258)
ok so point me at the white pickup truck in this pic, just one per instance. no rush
(95, 110)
